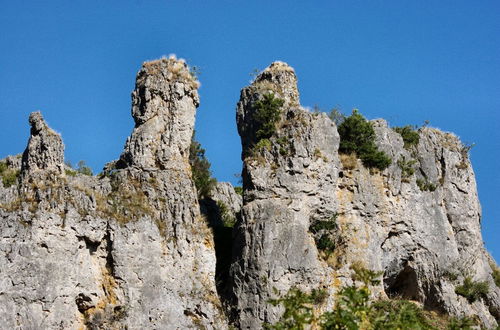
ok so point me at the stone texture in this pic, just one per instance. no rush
(164, 103)
(287, 187)
(45, 150)
(223, 192)
(128, 249)
(420, 240)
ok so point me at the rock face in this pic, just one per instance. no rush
(421, 230)
(126, 250)
(45, 149)
(133, 248)
(288, 186)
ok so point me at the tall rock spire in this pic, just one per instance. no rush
(164, 103)
(45, 150)
(289, 177)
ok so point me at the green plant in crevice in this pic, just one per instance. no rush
(200, 169)
(495, 274)
(238, 190)
(407, 169)
(358, 136)
(325, 234)
(409, 134)
(228, 220)
(472, 290)
(267, 115)
(425, 185)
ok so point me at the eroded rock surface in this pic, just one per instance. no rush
(128, 249)
(45, 150)
(288, 186)
(421, 230)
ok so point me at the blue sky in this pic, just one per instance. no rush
(405, 61)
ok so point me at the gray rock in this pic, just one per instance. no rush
(45, 150)
(224, 193)
(421, 230)
(287, 187)
(128, 249)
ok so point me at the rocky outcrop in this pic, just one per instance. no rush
(423, 229)
(45, 150)
(309, 214)
(128, 249)
(164, 103)
(288, 186)
(134, 248)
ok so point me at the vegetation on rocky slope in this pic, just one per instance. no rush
(358, 136)
(355, 310)
(409, 135)
(9, 176)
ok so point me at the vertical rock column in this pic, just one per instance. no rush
(288, 181)
(163, 251)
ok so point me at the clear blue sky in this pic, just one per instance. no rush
(406, 61)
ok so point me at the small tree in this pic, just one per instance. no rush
(357, 136)
(200, 168)
(409, 135)
(266, 116)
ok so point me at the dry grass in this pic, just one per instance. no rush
(349, 161)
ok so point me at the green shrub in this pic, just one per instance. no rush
(472, 290)
(200, 169)
(399, 314)
(263, 144)
(267, 114)
(354, 310)
(496, 275)
(336, 116)
(9, 176)
(357, 136)
(298, 309)
(324, 234)
(228, 220)
(406, 167)
(238, 190)
(81, 168)
(425, 185)
(409, 135)
(462, 323)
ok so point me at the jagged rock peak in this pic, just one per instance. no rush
(45, 150)
(164, 103)
(279, 78)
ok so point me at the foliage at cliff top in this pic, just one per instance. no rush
(409, 135)
(357, 136)
(200, 167)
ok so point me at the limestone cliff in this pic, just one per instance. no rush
(127, 249)
(133, 248)
(421, 230)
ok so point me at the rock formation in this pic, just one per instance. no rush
(133, 248)
(421, 230)
(45, 150)
(287, 187)
(124, 250)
